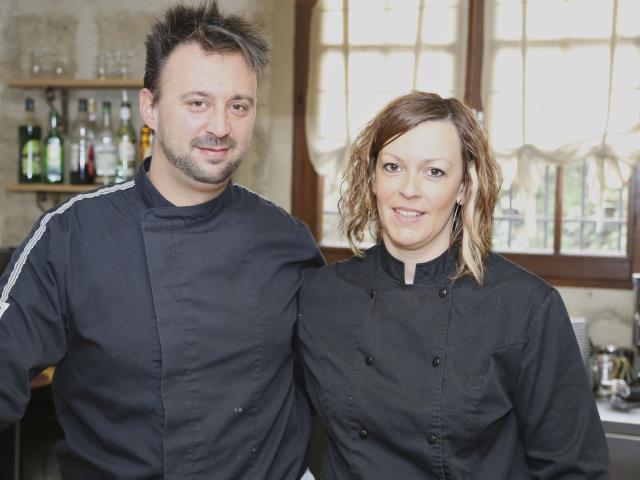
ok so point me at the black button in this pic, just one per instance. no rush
(369, 360)
(443, 292)
(432, 439)
(363, 434)
(372, 293)
(436, 361)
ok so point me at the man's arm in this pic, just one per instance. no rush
(32, 331)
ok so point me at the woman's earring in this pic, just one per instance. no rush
(456, 217)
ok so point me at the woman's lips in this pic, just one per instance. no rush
(407, 215)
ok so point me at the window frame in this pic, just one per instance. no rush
(557, 269)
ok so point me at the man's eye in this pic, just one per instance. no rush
(239, 107)
(197, 103)
(390, 167)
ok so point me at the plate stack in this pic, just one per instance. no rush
(579, 325)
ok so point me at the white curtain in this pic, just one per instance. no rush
(363, 53)
(561, 84)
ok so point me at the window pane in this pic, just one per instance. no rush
(380, 22)
(555, 20)
(440, 22)
(628, 14)
(506, 20)
(594, 220)
(436, 73)
(523, 222)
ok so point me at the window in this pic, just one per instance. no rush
(557, 82)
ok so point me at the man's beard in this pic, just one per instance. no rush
(187, 164)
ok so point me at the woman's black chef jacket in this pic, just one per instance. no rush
(171, 330)
(443, 381)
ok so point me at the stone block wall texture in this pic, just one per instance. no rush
(79, 29)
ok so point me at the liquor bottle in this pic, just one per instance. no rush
(106, 155)
(125, 169)
(30, 138)
(53, 151)
(92, 114)
(146, 141)
(81, 159)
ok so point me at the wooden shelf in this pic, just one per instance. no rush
(49, 187)
(75, 83)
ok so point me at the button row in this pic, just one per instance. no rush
(432, 438)
(369, 359)
(443, 292)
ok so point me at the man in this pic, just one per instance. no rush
(168, 302)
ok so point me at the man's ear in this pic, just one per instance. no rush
(147, 108)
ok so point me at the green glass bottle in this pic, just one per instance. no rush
(53, 151)
(30, 138)
(125, 169)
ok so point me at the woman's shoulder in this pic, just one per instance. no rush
(343, 270)
(343, 275)
(500, 271)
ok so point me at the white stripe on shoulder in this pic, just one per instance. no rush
(37, 235)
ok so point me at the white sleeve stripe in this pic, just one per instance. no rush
(17, 268)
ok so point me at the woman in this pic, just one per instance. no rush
(428, 356)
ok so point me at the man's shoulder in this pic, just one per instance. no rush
(90, 205)
(263, 211)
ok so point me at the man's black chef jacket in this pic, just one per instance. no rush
(446, 381)
(170, 328)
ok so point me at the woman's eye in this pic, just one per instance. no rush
(435, 172)
(390, 167)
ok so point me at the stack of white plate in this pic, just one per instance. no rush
(580, 325)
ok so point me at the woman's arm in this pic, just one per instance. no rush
(557, 414)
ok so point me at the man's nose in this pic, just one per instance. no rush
(218, 122)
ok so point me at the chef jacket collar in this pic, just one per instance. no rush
(164, 208)
(441, 267)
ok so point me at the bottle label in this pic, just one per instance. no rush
(127, 158)
(74, 158)
(126, 153)
(54, 162)
(30, 158)
(106, 159)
